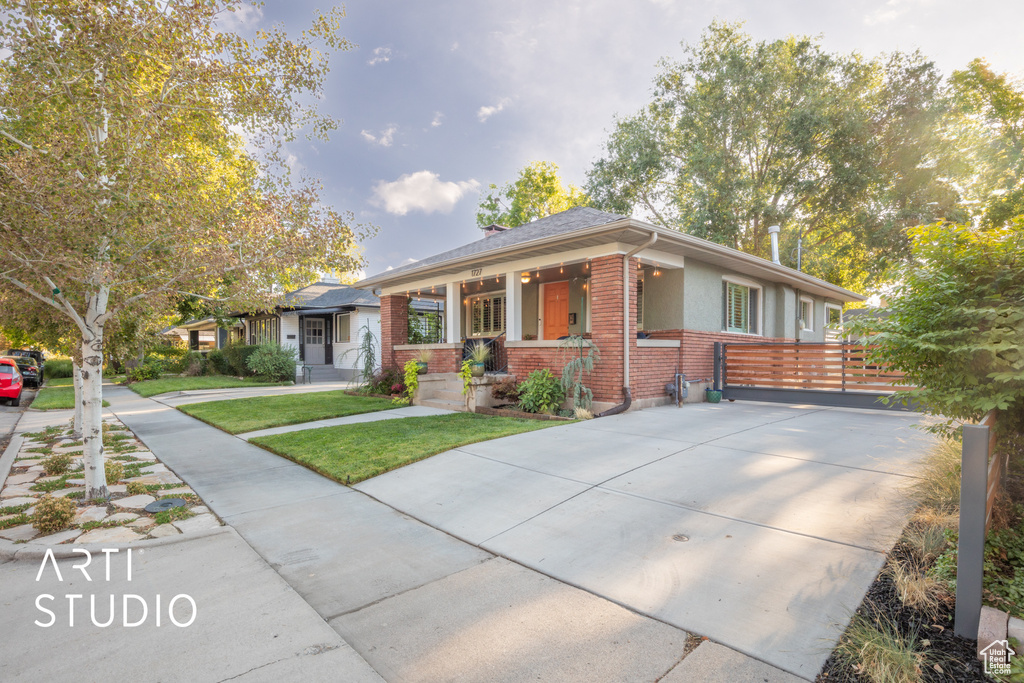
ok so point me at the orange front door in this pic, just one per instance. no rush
(556, 310)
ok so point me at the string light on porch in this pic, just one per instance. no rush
(560, 269)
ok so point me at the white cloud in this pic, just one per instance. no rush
(421, 191)
(437, 119)
(381, 55)
(893, 10)
(384, 138)
(487, 112)
(244, 17)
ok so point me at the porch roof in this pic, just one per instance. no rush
(583, 228)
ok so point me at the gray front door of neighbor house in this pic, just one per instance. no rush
(314, 341)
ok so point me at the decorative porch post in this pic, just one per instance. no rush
(453, 312)
(513, 307)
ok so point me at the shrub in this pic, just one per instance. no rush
(217, 363)
(148, 370)
(137, 488)
(877, 650)
(58, 463)
(237, 356)
(506, 390)
(195, 364)
(114, 471)
(273, 362)
(541, 392)
(53, 514)
(58, 367)
(383, 381)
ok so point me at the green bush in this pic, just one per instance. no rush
(541, 392)
(383, 381)
(149, 370)
(58, 367)
(53, 514)
(217, 363)
(137, 488)
(237, 356)
(272, 362)
(114, 471)
(194, 364)
(58, 463)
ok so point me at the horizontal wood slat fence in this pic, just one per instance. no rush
(821, 366)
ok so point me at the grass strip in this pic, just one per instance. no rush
(56, 398)
(352, 453)
(153, 387)
(263, 412)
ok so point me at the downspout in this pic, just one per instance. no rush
(627, 395)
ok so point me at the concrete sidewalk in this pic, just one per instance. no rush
(180, 398)
(415, 602)
(411, 411)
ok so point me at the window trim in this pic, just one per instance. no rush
(265, 329)
(480, 296)
(346, 325)
(749, 284)
(809, 321)
(836, 332)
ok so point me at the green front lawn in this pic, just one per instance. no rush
(56, 398)
(263, 412)
(351, 453)
(152, 387)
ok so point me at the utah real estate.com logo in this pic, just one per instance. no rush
(997, 658)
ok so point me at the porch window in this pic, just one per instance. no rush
(742, 308)
(264, 331)
(342, 324)
(807, 314)
(486, 315)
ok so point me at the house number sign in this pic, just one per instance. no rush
(476, 272)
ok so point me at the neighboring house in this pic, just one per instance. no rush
(568, 274)
(324, 323)
(204, 334)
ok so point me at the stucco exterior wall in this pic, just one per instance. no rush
(663, 299)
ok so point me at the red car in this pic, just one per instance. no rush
(11, 383)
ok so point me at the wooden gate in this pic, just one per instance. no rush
(832, 374)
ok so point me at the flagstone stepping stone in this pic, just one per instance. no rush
(118, 488)
(197, 523)
(28, 462)
(26, 478)
(42, 480)
(25, 532)
(94, 513)
(142, 455)
(117, 534)
(199, 510)
(142, 523)
(180, 491)
(133, 502)
(11, 502)
(163, 530)
(77, 481)
(158, 478)
(59, 537)
(154, 469)
(66, 492)
(36, 468)
(4, 518)
(18, 491)
(122, 517)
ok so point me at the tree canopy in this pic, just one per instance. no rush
(537, 192)
(126, 176)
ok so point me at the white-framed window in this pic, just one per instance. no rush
(264, 330)
(342, 328)
(806, 314)
(486, 315)
(833, 321)
(741, 307)
(640, 300)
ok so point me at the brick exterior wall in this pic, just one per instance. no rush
(394, 327)
(606, 324)
(650, 369)
(697, 349)
(443, 360)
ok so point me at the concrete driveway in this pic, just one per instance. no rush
(758, 525)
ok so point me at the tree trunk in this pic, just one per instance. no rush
(92, 395)
(76, 373)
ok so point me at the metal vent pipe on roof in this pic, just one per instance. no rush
(773, 232)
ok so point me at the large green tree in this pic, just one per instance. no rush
(125, 180)
(742, 135)
(537, 191)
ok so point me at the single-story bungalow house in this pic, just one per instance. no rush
(653, 300)
(324, 322)
(203, 334)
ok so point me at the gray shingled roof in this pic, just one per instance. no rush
(557, 224)
(328, 295)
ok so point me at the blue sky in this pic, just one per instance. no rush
(441, 99)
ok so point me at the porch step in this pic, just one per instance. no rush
(444, 404)
(448, 394)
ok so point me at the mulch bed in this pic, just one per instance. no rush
(955, 656)
(509, 412)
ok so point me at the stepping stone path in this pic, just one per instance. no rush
(126, 512)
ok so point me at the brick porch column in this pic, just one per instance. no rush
(394, 327)
(606, 324)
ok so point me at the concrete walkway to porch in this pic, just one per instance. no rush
(180, 398)
(397, 413)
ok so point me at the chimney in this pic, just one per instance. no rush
(773, 231)
(493, 229)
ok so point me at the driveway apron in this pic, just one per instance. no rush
(760, 526)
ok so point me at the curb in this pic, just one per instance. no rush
(10, 453)
(37, 550)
